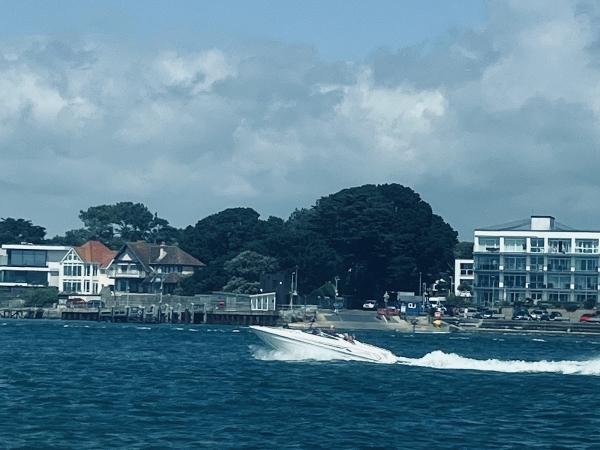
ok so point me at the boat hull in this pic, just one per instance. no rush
(315, 346)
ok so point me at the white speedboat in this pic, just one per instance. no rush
(326, 344)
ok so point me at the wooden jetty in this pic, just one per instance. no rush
(143, 315)
(22, 313)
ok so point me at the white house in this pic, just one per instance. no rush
(463, 275)
(83, 270)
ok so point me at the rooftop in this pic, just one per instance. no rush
(95, 252)
(534, 223)
(151, 254)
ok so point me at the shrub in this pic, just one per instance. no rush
(40, 297)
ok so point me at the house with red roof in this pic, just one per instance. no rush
(83, 270)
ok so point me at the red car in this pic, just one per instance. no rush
(590, 317)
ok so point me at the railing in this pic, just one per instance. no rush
(128, 274)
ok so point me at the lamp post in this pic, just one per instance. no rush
(493, 290)
(292, 291)
(336, 279)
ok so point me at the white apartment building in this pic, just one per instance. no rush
(463, 275)
(30, 265)
(538, 259)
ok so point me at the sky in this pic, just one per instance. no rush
(489, 110)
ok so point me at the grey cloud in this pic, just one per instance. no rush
(486, 124)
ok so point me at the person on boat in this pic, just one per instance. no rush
(331, 331)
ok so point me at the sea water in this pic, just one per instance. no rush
(95, 385)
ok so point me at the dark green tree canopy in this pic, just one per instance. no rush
(125, 220)
(119, 223)
(385, 235)
(15, 231)
(245, 270)
(463, 250)
(224, 234)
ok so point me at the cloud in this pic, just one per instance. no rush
(489, 125)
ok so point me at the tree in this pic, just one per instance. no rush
(73, 237)
(222, 235)
(15, 231)
(463, 250)
(125, 221)
(40, 297)
(463, 287)
(245, 270)
(385, 235)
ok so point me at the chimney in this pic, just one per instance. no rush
(162, 252)
(542, 223)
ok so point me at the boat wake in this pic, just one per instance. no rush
(441, 361)
(452, 361)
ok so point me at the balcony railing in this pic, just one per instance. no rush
(126, 274)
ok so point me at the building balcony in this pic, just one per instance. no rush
(126, 274)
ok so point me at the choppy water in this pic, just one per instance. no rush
(93, 385)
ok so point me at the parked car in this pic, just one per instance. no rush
(555, 315)
(521, 314)
(489, 314)
(369, 304)
(539, 314)
(590, 317)
(485, 314)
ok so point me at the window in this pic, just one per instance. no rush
(586, 246)
(586, 282)
(34, 258)
(514, 281)
(536, 296)
(489, 244)
(484, 262)
(487, 297)
(95, 288)
(88, 270)
(515, 245)
(586, 265)
(514, 263)
(587, 298)
(72, 270)
(466, 269)
(558, 297)
(536, 263)
(559, 282)
(537, 245)
(536, 281)
(559, 245)
(486, 280)
(559, 264)
(71, 286)
(515, 297)
(21, 276)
